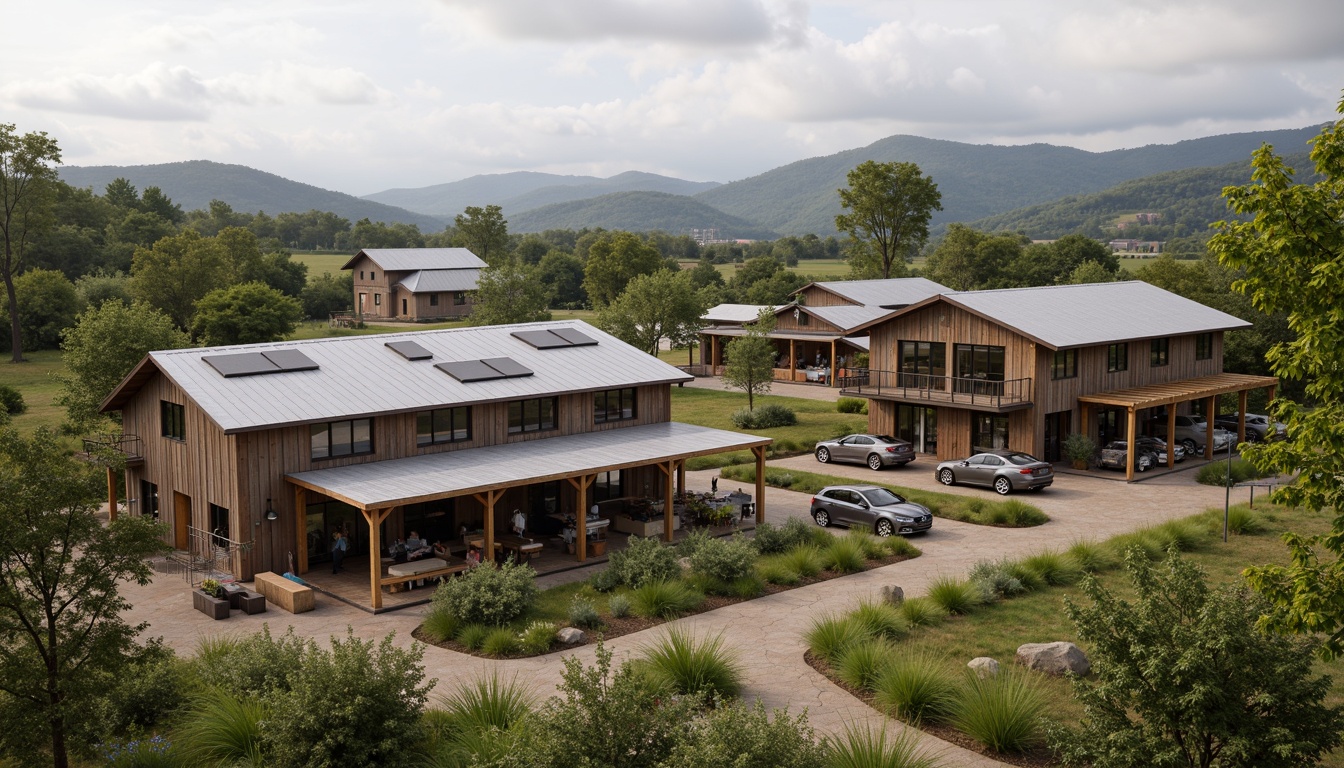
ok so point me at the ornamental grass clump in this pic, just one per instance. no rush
(747, 587)
(688, 666)
(900, 547)
(485, 703)
(844, 555)
(830, 635)
(1002, 712)
(869, 748)
(954, 595)
(583, 613)
(873, 548)
(860, 663)
(1184, 535)
(501, 642)
(440, 624)
(916, 688)
(664, 599)
(618, 606)
(770, 539)
(880, 619)
(922, 612)
(1055, 569)
(1015, 513)
(1089, 556)
(472, 635)
(222, 729)
(806, 560)
(537, 638)
(775, 570)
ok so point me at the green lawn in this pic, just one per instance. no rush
(34, 380)
(817, 420)
(321, 261)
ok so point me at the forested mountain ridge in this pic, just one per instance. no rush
(453, 197)
(194, 183)
(637, 211)
(630, 181)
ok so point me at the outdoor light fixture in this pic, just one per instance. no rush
(270, 511)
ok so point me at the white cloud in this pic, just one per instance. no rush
(694, 22)
(158, 92)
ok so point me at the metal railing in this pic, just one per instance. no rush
(209, 556)
(100, 448)
(938, 389)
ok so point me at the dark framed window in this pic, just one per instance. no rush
(1204, 346)
(1117, 358)
(149, 499)
(979, 369)
(923, 364)
(1065, 365)
(533, 415)
(989, 431)
(377, 299)
(1158, 352)
(445, 425)
(607, 485)
(460, 298)
(219, 524)
(341, 438)
(614, 405)
(373, 275)
(173, 420)
(433, 299)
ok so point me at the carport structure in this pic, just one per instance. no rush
(376, 489)
(1206, 388)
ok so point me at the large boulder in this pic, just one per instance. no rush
(1054, 658)
(984, 667)
(893, 594)
(571, 636)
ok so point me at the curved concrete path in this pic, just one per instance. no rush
(766, 633)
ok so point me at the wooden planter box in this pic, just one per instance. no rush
(213, 607)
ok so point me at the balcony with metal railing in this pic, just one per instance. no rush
(924, 389)
(103, 449)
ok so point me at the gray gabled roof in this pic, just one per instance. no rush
(1062, 316)
(436, 280)
(410, 259)
(846, 317)
(893, 293)
(360, 376)
(737, 313)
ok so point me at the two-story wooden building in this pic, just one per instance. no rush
(414, 283)
(1023, 368)
(276, 446)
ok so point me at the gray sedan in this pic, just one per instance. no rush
(869, 508)
(877, 451)
(1004, 471)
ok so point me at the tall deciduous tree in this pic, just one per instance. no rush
(483, 231)
(48, 304)
(968, 259)
(176, 272)
(510, 293)
(27, 189)
(888, 208)
(614, 259)
(1291, 251)
(749, 361)
(652, 308)
(61, 630)
(247, 313)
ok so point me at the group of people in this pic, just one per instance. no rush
(415, 548)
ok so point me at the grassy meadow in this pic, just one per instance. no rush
(817, 420)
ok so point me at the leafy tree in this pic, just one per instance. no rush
(279, 270)
(326, 294)
(614, 259)
(1290, 248)
(1088, 272)
(1185, 678)
(652, 308)
(705, 274)
(749, 361)
(563, 272)
(122, 193)
(888, 207)
(531, 249)
(48, 304)
(968, 259)
(106, 342)
(775, 289)
(72, 250)
(247, 313)
(1052, 263)
(28, 185)
(60, 609)
(483, 231)
(152, 200)
(510, 293)
(174, 274)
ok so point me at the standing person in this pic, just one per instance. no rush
(338, 547)
(519, 522)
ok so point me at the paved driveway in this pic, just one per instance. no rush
(766, 633)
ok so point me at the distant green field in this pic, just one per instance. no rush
(39, 388)
(829, 269)
(319, 262)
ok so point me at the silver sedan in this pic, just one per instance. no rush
(870, 508)
(877, 451)
(1004, 471)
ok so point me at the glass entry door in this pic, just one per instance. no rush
(919, 426)
(323, 519)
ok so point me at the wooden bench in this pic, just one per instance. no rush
(290, 595)
(432, 568)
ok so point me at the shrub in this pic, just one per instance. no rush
(537, 638)
(1078, 447)
(922, 612)
(618, 606)
(775, 571)
(1054, 568)
(806, 561)
(869, 748)
(472, 635)
(851, 405)
(583, 613)
(844, 555)
(489, 595)
(747, 587)
(693, 541)
(151, 686)
(1015, 513)
(830, 635)
(723, 559)
(770, 539)
(1002, 712)
(644, 561)
(252, 666)
(1184, 535)
(995, 580)
(440, 624)
(687, 666)
(735, 735)
(488, 703)
(1216, 472)
(605, 580)
(916, 688)
(11, 400)
(501, 642)
(880, 619)
(953, 595)
(664, 599)
(860, 663)
(775, 415)
(779, 478)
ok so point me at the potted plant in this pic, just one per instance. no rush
(1079, 450)
(211, 600)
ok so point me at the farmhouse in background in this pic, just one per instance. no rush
(414, 283)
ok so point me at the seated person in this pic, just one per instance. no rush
(473, 556)
(417, 548)
(397, 551)
(440, 550)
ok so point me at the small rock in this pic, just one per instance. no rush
(984, 667)
(571, 636)
(893, 594)
(1054, 658)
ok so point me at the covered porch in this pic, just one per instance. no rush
(489, 479)
(1169, 394)
(800, 356)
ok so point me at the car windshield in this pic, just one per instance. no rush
(881, 497)
(1021, 459)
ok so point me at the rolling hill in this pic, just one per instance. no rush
(630, 181)
(448, 200)
(638, 211)
(195, 183)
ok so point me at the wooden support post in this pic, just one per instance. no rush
(375, 518)
(1209, 404)
(681, 478)
(760, 483)
(301, 528)
(669, 476)
(581, 486)
(111, 495)
(1241, 417)
(1171, 433)
(793, 358)
(1083, 408)
(488, 500)
(831, 364)
(1130, 430)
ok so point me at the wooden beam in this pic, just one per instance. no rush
(759, 451)
(1083, 408)
(681, 478)
(488, 499)
(1209, 404)
(301, 527)
(1171, 435)
(375, 518)
(670, 470)
(1241, 416)
(793, 357)
(112, 495)
(1131, 427)
(831, 364)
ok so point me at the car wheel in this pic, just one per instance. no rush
(1143, 462)
(945, 477)
(884, 528)
(875, 462)
(1190, 447)
(1002, 486)
(823, 455)
(820, 515)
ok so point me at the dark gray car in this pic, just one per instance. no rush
(877, 451)
(869, 508)
(1004, 471)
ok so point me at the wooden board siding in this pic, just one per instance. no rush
(421, 309)
(813, 296)
(941, 322)
(785, 321)
(380, 284)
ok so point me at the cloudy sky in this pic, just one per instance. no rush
(363, 96)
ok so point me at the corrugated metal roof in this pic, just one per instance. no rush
(846, 317)
(896, 292)
(409, 259)
(361, 376)
(1097, 313)
(736, 313)
(436, 280)
(394, 482)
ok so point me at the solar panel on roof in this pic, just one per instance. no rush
(410, 350)
(241, 364)
(290, 360)
(509, 367)
(575, 338)
(467, 371)
(541, 339)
